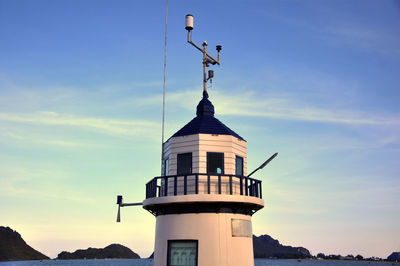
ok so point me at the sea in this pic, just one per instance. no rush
(149, 262)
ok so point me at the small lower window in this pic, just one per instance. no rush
(182, 252)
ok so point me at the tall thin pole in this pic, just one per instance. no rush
(205, 66)
(165, 75)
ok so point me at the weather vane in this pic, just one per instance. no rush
(207, 58)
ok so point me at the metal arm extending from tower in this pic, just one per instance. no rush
(264, 164)
(207, 58)
(122, 204)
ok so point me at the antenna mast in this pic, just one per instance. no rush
(207, 58)
(165, 76)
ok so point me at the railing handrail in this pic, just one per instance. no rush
(205, 174)
(248, 186)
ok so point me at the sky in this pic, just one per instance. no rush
(81, 104)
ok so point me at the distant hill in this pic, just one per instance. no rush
(13, 247)
(395, 256)
(113, 251)
(265, 246)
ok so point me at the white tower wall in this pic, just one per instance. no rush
(213, 231)
(199, 145)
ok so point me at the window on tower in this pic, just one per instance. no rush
(215, 163)
(166, 166)
(184, 163)
(182, 252)
(239, 165)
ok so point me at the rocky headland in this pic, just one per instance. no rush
(265, 246)
(13, 247)
(113, 251)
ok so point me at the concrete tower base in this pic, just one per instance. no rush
(224, 239)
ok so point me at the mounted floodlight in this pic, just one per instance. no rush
(264, 164)
(121, 203)
(207, 58)
(189, 22)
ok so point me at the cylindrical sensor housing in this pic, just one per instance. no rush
(189, 22)
(210, 74)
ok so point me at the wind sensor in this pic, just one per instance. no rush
(207, 58)
(121, 203)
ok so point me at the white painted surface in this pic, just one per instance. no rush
(203, 198)
(199, 145)
(216, 245)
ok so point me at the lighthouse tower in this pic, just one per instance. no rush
(204, 200)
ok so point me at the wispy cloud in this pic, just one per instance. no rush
(37, 183)
(41, 140)
(281, 107)
(345, 31)
(105, 125)
(364, 38)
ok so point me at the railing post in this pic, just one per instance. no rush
(260, 189)
(230, 185)
(165, 186)
(219, 184)
(241, 185)
(175, 185)
(185, 185)
(150, 192)
(208, 184)
(196, 181)
(246, 185)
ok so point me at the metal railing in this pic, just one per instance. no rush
(197, 183)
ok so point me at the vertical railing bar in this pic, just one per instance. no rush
(166, 186)
(230, 185)
(197, 184)
(241, 185)
(208, 184)
(246, 185)
(185, 185)
(219, 184)
(175, 185)
(260, 190)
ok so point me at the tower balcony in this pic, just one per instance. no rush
(219, 192)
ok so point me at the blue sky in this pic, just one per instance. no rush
(316, 81)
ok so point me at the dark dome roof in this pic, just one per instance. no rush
(205, 122)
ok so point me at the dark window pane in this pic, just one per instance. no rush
(215, 163)
(166, 167)
(184, 163)
(239, 165)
